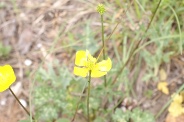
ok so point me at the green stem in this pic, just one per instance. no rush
(103, 42)
(20, 103)
(73, 119)
(89, 85)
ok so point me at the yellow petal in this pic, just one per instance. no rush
(162, 86)
(80, 58)
(177, 98)
(175, 109)
(97, 73)
(85, 62)
(90, 57)
(165, 90)
(80, 71)
(104, 65)
(7, 77)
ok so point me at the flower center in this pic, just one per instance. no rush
(90, 64)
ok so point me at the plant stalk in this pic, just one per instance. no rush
(104, 49)
(28, 113)
(89, 87)
(73, 119)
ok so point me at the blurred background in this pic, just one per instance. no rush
(39, 38)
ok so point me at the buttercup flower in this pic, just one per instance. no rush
(177, 98)
(7, 77)
(175, 108)
(85, 63)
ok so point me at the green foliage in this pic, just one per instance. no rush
(154, 61)
(51, 95)
(4, 51)
(137, 115)
(63, 120)
(120, 116)
(100, 119)
(148, 93)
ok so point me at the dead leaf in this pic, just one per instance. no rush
(162, 86)
(163, 75)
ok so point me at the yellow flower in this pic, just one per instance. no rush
(162, 86)
(177, 98)
(7, 77)
(175, 108)
(85, 62)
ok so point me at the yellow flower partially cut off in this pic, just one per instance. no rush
(176, 108)
(162, 86)
(85, 63)
(7, 77)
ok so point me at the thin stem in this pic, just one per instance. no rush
(103, 42)
(78, 104)
(20, 103)
(89, 85)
